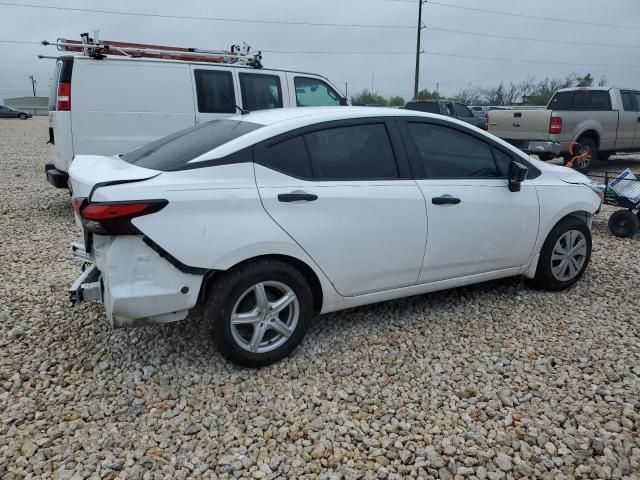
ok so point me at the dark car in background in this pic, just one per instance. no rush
(8, 112)
(449, 108)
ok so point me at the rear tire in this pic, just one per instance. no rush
(22, 116)
(624, 223)
(242, 309)
(564, 256)
(589, 161)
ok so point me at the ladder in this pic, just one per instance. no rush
(100, 49)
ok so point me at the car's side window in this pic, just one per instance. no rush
(260, 92)
(358, 152)
(462, 111)
(214, 89)
(627, 102)
(502, 161)
(637, 95)
(314, 92)
(449, 153)
(289, 157)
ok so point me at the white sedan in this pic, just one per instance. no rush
(273, 217)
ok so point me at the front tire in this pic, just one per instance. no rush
(564, 256)
(624, 224)
(259, 312)
(22, 116)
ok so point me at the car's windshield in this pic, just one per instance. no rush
(174, 151)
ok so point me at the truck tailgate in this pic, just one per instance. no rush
(520, 124)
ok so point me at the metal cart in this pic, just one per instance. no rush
(620, 190)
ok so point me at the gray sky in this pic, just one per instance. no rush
(392, 73)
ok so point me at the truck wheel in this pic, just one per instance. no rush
(587, 162)
(624, 224)
(259, 312)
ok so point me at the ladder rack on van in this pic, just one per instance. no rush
(100, 48)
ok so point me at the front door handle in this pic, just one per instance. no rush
(445, 200)
(297, 197)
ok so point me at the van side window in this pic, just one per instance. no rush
(313, 92)
(214, 89)
(260, 92)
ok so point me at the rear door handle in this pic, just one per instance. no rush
(445, 200)
(297, 197)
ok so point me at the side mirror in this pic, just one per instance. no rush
(343, 102)
(517, 174)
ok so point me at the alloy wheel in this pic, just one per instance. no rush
(264, 317)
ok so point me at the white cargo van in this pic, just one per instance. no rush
(108, 106)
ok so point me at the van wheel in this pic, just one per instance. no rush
(624, 224)
(259, 312)
(564, 256)
(22, 116)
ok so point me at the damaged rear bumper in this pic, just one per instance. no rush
(137, 286)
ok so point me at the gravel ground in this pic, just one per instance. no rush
(493, 381)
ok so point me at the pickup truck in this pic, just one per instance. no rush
(603, 120)
(448, 108)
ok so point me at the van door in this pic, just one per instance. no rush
(264, 90)
(117, 105)
(311, 91)
(215, 91)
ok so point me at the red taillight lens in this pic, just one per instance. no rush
(117, 210)
(64, 97)
(78, 203)
(114, 218)
(555, 125)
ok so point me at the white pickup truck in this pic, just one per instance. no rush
(604, 120)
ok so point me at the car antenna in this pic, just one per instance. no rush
(243, 111)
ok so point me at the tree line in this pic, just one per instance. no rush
(527, 92)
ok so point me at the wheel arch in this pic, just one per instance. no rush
(307, 272)
(592, 134)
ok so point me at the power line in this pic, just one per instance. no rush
(542, 62)
(210, 19)
(520, 15)
(407, 52)
(509, 37)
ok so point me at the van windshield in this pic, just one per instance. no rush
(176, 150)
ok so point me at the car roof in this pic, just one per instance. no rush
(282, 120)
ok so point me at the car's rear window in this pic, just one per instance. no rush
(176, 150)
(593, 100)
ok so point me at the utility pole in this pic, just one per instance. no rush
(415, 85)
(33, 84)
(346, 89)
(371, 82)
